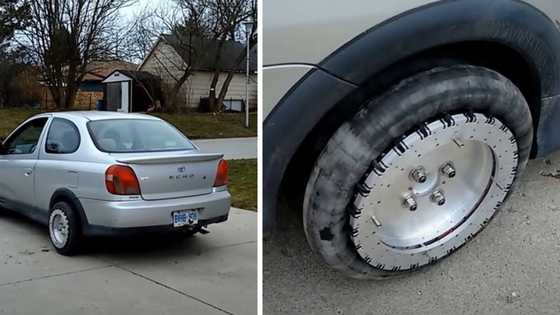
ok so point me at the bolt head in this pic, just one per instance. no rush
(448, 170)
(419, 175)
(438, 197)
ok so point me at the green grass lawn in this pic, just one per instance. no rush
(10, 118)
(194, 125)
(243, 183)
(207, 126)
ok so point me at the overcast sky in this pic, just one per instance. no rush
(130, 11)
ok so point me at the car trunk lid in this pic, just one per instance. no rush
(172, 175)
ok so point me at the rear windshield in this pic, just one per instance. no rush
(137, 135)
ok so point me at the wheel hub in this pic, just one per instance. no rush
(433, 191)
(59, 228)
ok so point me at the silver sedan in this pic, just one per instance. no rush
(104, 173)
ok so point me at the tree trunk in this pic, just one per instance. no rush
(225, 87)
(56, 94)
(69, 94)
(72, 84)
(240, 58)
(213, 105)
(70, 97)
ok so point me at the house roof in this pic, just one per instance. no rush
(202, 53)
(138, 75)
(142, 76)
(100, 69)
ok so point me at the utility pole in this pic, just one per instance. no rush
(248, 31)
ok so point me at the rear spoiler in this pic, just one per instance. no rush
(168, 159)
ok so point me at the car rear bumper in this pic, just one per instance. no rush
(154, 214)
(106, 231)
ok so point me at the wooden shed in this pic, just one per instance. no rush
(131, 91)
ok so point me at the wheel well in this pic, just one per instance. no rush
(495, 56)
(68, 197)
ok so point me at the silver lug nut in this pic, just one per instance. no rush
(448, 170)
(410, 203)
(438, 197)
(419, 175)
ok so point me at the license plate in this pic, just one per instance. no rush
(186, 217)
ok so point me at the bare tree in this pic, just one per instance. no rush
(65, 35)
(14, 15)
(220, 21)
(199, 31)
(251, 41)
(139, 35)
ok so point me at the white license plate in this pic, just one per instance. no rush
(186, 217)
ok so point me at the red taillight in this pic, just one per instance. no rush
(221, 174)
(121, 180)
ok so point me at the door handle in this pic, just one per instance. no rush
(28, 172)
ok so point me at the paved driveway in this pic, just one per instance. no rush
(513, 267)
(233, 148)
(208, 274)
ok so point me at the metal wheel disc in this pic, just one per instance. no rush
(433, 191)
(59, 228)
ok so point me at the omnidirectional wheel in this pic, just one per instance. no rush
(64, 229)
(433, 190)
(418, 172)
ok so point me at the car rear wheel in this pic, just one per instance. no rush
(418, 172)
(64, 229)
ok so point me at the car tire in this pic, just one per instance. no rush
(372, 220)
(64, 229)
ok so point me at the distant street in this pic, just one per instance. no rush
(233, 148)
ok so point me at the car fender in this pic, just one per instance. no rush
(74, 201)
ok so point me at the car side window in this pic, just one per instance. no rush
(63, 137)
(25, 140)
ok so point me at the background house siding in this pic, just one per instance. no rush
(198, 87)
(166, 63)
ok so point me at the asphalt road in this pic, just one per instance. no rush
(207, 274)
(513, 267)
(233, 148)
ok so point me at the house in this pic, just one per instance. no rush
(91, 88)
(131, 91)
(168, 59)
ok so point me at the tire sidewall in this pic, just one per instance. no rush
(379, 124)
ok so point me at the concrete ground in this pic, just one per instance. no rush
(207, 274)
(233, 148)
(513, 267)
